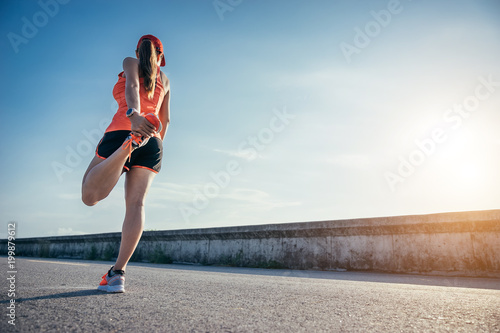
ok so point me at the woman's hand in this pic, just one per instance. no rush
(141, 125)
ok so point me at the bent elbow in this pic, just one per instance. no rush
(132, 86)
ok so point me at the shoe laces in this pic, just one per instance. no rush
(128, 144)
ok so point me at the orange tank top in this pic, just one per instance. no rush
(120, 120)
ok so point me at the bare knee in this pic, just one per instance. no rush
(135, 203)
(88, 201)
(88, 198)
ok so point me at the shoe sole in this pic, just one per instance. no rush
(112, 289)
(116, 289)
(160, 126)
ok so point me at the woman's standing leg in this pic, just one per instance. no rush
(137, 183)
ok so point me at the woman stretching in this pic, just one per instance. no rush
(132, 143)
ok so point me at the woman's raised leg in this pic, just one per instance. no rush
(102, 175)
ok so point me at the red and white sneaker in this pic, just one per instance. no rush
(113, 282)
(134, 141)
(153, 119)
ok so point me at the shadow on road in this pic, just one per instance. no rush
(78, 293)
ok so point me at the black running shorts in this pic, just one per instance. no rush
(147, 157)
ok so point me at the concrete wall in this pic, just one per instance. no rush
(464, 243)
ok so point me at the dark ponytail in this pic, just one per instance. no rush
(147, 65)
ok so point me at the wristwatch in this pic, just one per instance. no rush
(130, 112)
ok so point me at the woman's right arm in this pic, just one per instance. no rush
(132, 85)
(131, 69)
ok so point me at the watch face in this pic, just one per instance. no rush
(129, 112)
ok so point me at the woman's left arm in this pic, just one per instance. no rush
(164, 113)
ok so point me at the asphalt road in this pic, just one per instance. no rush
(60, 296)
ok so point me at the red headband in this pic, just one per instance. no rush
(156, 42)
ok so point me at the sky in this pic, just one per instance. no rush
(281, 111)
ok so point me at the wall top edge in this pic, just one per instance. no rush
(473, 219)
